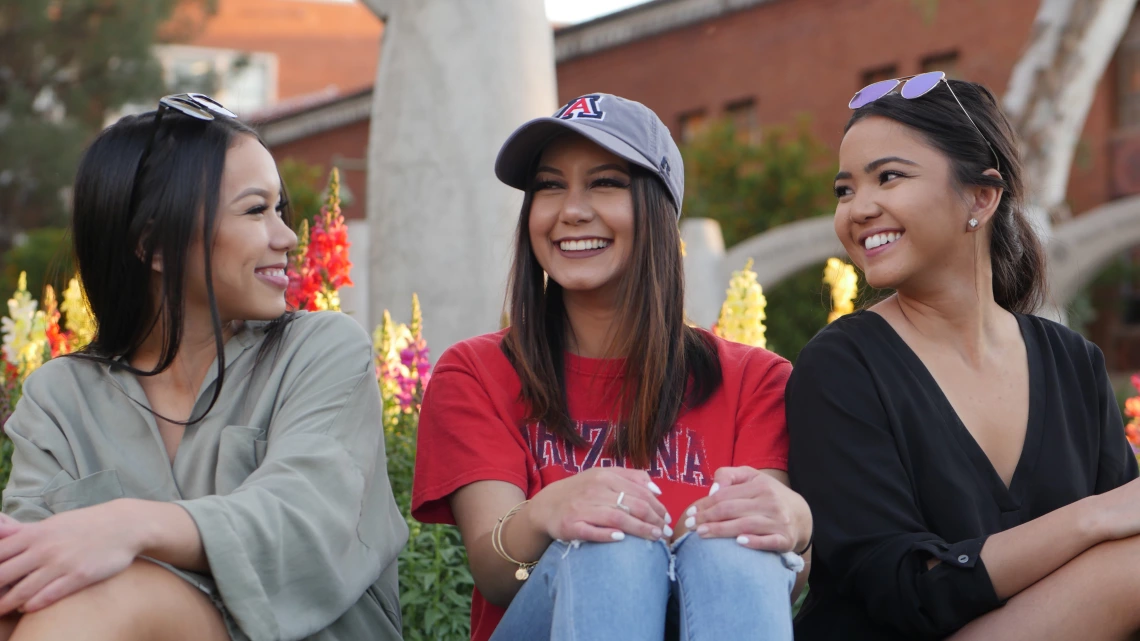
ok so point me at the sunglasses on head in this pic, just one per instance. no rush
(196, 105)
(915, 87)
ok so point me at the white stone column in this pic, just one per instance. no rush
(455, 78)
(354, 300)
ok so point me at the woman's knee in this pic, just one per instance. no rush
(733, 565)
(145, 601)
(633, 559)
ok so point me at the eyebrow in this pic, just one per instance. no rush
(595, 170)
(252, 191)
(875, 164)
(608, 167)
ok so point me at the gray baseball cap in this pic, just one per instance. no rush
(625, 128)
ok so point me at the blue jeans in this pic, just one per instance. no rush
(632, 590)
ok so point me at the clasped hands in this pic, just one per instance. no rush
(744, 504)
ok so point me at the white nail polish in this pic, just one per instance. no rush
(656, 533)
(653, 488)
(743, 540)
(668, 531)
(668, 519)
(714, 489)
(704, 529)
(692, 510)
(690, 522)
(618, 536)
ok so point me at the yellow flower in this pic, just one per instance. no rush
(24, 330)
(844, 284)
(77, 315)
(742, 315)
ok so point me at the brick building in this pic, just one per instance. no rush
(763, 63)
(275, 54)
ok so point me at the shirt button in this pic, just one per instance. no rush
(963, 559)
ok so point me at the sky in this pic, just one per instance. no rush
(572, 11)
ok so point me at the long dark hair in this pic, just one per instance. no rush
(125, 214)
(668, 365)
(1016, 252)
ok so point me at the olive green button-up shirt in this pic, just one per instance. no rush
(285, 476)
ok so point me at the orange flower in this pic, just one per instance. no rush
(1132, 407)
(1132, 431)
(58, 339)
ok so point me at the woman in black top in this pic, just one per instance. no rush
(965, 462)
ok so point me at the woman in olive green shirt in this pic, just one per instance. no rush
(211, 467)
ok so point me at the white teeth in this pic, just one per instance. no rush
(878, 240)
(583, 245)
(272, 272)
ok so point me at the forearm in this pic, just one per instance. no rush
(494, 575)
(1019, 557)
(166, 533)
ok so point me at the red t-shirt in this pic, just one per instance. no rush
(473, 428)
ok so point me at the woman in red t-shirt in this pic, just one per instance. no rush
(615, 473)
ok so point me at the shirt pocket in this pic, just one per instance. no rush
(241, 449)
(93, 489)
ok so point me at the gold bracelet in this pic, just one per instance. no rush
(523, 573)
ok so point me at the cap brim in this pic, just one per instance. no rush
(519, 154)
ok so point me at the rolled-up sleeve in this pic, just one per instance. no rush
(869, 531)
(42, 460)
(305, 535)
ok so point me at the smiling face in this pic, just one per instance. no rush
(581, 215)
(251, 240)
(899, 215)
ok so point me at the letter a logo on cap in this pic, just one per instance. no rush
(584, 107)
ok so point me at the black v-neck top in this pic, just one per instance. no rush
(894, 478)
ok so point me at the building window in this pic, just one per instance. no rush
(882, 73)
(692, 124)
(1128, 76)
(947, 62)
(742, 115)
(243, 82)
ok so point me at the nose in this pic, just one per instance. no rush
(863, 207)
(576, 207)
(281, 237)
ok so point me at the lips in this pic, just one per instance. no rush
(585, 244)
(273, 275)
(878, 240)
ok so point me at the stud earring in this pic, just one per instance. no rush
(973, 223)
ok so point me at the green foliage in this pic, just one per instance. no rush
(435, 582)
(47, 258)
(65, 65)
(749, 188)
(797, 309)
(5, 460)
(305, 184)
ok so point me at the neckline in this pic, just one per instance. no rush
(603, 367)
(1006, 496)
(237, 345)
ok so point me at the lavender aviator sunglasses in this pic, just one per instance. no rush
(914, 87)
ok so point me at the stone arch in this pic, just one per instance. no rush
(776, 254)
(1080, 247)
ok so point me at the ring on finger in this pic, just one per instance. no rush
(621, 506)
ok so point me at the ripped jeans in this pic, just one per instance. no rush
(633, 590)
